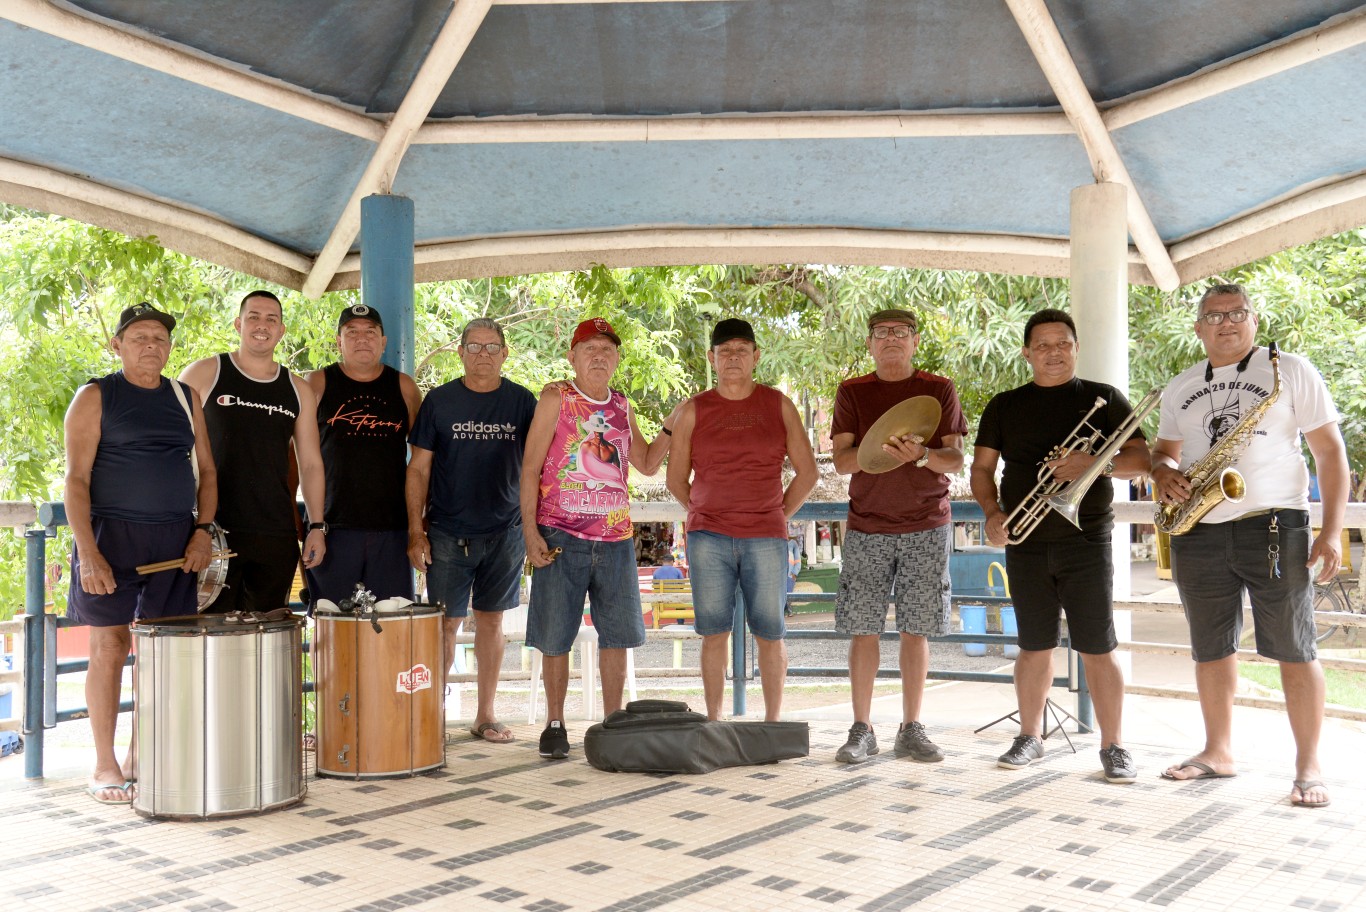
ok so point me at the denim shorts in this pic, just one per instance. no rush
(1075, 574)
(911, 568)
(1214, 563)
(489, 568)
(719, 565)
(604, 573)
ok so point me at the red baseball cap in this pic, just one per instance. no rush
(594, 326)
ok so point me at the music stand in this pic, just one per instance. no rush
(1049, 707)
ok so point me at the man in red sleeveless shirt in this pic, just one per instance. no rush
(727, 469)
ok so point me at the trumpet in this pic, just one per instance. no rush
(1062, 497)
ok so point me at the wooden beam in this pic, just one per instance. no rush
(162, 57)
(1306, 217)
(903, 125)
(449, 46)
(58, 186)
(1061, 71)
(481, 257)
(1339, 34)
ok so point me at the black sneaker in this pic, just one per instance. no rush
(912, 741)
(555, 741)
(861, 745)
(1118, 764)
(1024, 750)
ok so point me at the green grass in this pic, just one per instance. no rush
(1345, 688)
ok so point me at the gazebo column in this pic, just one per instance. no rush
(1100, 307)
(386, 272)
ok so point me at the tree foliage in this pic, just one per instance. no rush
(62, 285)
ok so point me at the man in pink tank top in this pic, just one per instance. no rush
(577, 523)
(727, 470)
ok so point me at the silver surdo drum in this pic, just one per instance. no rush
(218, 715)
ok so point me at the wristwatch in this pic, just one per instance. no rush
(318, 527)
(1109, 469)
(923, 460)
(208, 527)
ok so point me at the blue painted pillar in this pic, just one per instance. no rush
(35, 635)
(386, 272)
(739, 664)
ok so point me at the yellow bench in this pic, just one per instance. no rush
(672, 611)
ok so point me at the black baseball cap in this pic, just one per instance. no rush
(143, 311)
(730, 329)
(359, 312)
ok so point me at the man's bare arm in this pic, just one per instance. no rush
(803, 461)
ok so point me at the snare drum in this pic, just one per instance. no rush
(381, 707)
(218, 716)
(212, 577)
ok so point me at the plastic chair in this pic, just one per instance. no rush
(587, 643)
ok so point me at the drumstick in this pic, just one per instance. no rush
(178, 563)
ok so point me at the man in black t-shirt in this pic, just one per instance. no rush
(1057, 565)
(365, 411)
(464, 516)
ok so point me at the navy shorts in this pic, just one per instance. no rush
(604, 573)
(1214, 563)
(127, 545)
(376, 558)
(1075, 575)
(485, 572)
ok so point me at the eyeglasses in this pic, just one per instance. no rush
(1215, 317)
(475, 348)
(899, 332)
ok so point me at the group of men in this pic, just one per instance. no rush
(481, 477)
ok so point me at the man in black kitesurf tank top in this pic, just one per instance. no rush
(365, 411)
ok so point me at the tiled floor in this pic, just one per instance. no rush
(500, 828)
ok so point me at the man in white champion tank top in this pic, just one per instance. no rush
(256, 410)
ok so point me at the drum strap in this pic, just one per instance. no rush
(189, 413)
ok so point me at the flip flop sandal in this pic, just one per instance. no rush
(126, 788)
(1206, 772)
(1304, 785)
(484, 729)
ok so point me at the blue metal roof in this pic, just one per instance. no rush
(566, 133)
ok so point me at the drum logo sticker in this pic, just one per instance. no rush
(419, 677)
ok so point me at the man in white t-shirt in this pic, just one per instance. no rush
(1261, 544)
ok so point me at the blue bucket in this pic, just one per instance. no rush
(1009, 628)
(974, 620)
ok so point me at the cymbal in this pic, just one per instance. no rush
(917, 416)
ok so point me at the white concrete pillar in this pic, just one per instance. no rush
(1100, 306)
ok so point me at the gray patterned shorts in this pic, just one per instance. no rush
(910, 569)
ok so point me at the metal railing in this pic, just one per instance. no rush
(39, 629)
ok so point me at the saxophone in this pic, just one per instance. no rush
(1212, 476)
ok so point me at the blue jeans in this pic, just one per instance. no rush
(718, 564)
(489, 567)
(604, 572)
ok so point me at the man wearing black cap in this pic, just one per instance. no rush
(365, 410)
(133, 442)
(729, 444)
(256, 410)
(900, 531)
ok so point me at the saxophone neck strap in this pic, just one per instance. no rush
(1242, 365)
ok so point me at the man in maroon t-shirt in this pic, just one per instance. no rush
(726, 467)
(900, 532)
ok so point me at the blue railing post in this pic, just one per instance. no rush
(35, 636)
(1086, 716)
(740, 673)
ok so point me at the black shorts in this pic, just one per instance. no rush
(260, 574)
(1075, 575)
(376, 558)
